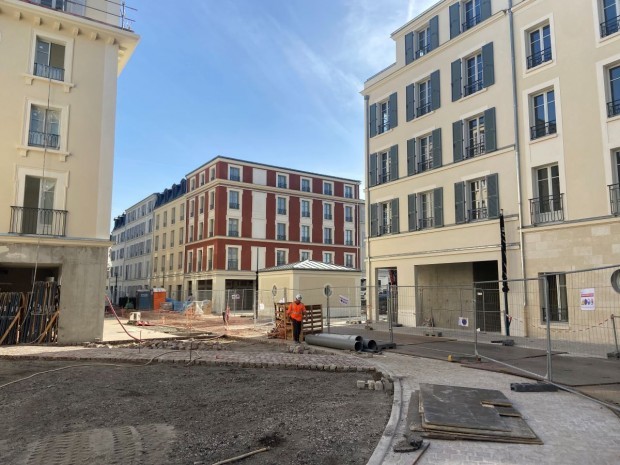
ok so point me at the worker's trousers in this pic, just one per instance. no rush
(296, 329)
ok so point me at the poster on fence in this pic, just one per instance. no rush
(344, 300)
(587, 299)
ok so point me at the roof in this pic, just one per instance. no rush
(310, 265)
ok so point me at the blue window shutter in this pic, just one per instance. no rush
(373, 120)
(411, 199)
(493, 196)
(436, 136)
(393, 109)
(433, 25)
(490, 133)
(372, 169)
(395, 221)
(374, 216)
(459, 202)
(410, 157)
(456, 80)
(485, 9)
(455, 20)
(435, 91)
(393, 162)
(410, 105)
(457, 140)
(438, 206)
(488, 68)
(409, 57)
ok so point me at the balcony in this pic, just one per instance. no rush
(613, 108)
(538, 58)
(422, 51)
(425, 165)
(614, 198)
(548, 209)
(305, 214)
(425, 223)
(385, 229)
(209, 265)
(423, 109)
(106, 11)
(282, 185)
(611, 26)
(38, 221)
(470, 22)
(305, 238)
(43, 139)
(328, 216)
(281, 211)
(328, 190)
(349, 243)
(231, 205)
(233, 233)
(49, 72)
(348, 219)
(476, 147)
(235, 177)
(327, 240)
(476, 214)
(542, 130)
(473, 87)
(233, 264)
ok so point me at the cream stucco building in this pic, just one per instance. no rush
(59, 63)
(496, 106)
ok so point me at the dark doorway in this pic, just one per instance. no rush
(488, 317)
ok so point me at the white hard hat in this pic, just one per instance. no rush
(298, 297)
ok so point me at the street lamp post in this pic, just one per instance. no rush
(115, 287)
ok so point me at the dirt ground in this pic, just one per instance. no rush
(172, 414)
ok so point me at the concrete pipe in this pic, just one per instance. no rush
(369, 344)
(327, 340)
(343, 336)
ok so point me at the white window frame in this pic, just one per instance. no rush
(301, 233)
(301, 183)
(281, 227)
(352, 233)
(548, 129)
(202, 179)
(62, 150)
(68, 61)
(281, 251)
(328, 257)
(230, 194)
(479, 73)
(286, 180)
(211, 173)
(383, 116)
(328, 211)
(476, 17)
(331, 235)
(304, 251)
(478, 204)
(278, 209)
(301, 210)
(210, 263)
(422, 47)
(423, 97)
(351, 257)
(474, 136)
(608, 90)
(331, 187)
(350, 188)
(383, 167)
(230, 168)
(425, 210)
(60, 190)
(238, 255)
(228, 224)
(349, 219)
(424, 155)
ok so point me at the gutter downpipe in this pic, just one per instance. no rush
(517, 145)
(367, 225)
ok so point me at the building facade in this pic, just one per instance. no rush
(485, 112)
(59, 63)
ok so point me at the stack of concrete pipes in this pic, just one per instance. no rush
(342, 341)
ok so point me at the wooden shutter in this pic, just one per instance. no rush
(373, 120)
(436, 136)
(485, 9)
(457, 90)
(374, 216)
(493, 196)
(457, 140)
(393, 162)
(372, 169)
(455, 20)
(438, 206)
(411, 204)
(410, 104)
(435, 91)
(410, 157)
(490, 133)
(459, 202)
(488, 68)
(433, 25)
(393, 109)
(409, 57)
(395, 221)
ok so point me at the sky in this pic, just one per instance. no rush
(268, 81)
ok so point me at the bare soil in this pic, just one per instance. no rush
(173, 414)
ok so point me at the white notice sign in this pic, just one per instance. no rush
(586, 297)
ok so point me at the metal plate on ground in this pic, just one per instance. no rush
(122, 445)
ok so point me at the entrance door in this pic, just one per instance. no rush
(38, 212)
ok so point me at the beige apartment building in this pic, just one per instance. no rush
(59, 63)
(491, 107)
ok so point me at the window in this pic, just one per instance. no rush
(425, 156)
(556, 296)
(611, 17)
(180, 264)
(155, 265)
(171, 264)
(212, 173)
(474, 136)
(182, 213)
(327, 211)
(425, 210)
(49, 60)
(157, 222)
(281, 231)
(304, 255)
(543, 115)
(165, 219)
(163, 263)
(199, 261)
(348, 237)
(348, 192)
(466, 14)
(614, 189)
(328, 257)
(39, 213)
(305, 209)
(422, 41)
(201, 209)
(613, 106)
(211, 200)
(280, 257)
(348, 214)
(211, 227)
(156, 243)
(539, 46)
(233, 227)
(164, 242)
(473, 73)
(327, 236)
(305, 233)
(209, 258)
(282, 181)
(281, 201)
(384, 218)
(233, 258)
(173, 215)
(305, 185)
(192, 184)
(384, 166)
(201, 228)
(423, 98)
(190, 262)
(181, 236)
(202, 179)
(328, 188)
(233, 200)
(191, 234)
(424, 153)
(44, 127)
(477, 199)
(191, 208)
(234, 173)
(547, 207)
(349, 260)
(383, 116)
(471, 14)
(171, 238)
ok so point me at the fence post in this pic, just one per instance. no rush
(477, 292)
(389, 312)
(613, 324)
(545, 287)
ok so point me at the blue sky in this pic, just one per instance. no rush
(270, 81)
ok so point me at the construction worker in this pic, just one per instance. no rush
(296, 311)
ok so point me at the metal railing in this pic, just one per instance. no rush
(613, 108)
(234, 177)
(349, 243)
(281, 237)
(473, 87)
(539, 57)
(328, 216)
(424, 223)
(327, 240)
(476, 214)
(233, 233)
(423, 109)
(83, 9)
(471, 22)
(547, 209)
(611, 26)
(476, 147)
(348, 219)
(233, 264)
(543, 129)
(614, 198)
(282, 185)
(385, 229)
(43, 139)
(281, 211)
(231, 205)
(305, 239)
(38, 221)
(305, 214)
(328, 192)
(209, 265)
(421, 51)
(50, 72)
(425, 165)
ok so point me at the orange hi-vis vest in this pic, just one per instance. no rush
(296, 311)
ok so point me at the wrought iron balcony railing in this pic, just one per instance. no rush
(542, 129)
(613, 108)
(38, 221)
(305, 238)
(614, 198)
(471, 22)
(476, 214)
(50, 72)
(233, 205)
(233, 233)
(425, 165)
(548, 209)
(424, 223)
(282, 185)
(328, 216)
(473, 87)
(385, 229)
(233, 264)
(423, 109)
(327, 240)
(235, 177)
(611, 26)
(421, 51)
(539, 57)
(281, 237)
(281, 211)
(43, 139)
(110, 12)
(349, 243)
(476, 147)
(348, 219)
(305, 214)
